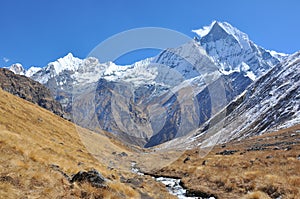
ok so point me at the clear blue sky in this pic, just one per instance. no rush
(35, 32)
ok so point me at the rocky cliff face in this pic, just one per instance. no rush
(29, 90)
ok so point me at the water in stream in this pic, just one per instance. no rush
(172, 184)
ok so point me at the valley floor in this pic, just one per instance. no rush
(266, 166)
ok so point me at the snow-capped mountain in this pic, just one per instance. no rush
(234, 51)
(163, 97)
(17, 69)
(270, 103)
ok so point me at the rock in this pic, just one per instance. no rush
(186, 159)
(256, 148)
(54, 167)
(288, 148)
(134, 181)
(123, 179)
(123, 154)
(269, 157)
(227, 152)
(58, 169)
(93, 177)
(198, 193)
(276, 148)
(9, 180)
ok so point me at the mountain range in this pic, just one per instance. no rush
(179, 90)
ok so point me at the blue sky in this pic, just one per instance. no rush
(35, 32)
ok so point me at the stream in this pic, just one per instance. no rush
(172, 184)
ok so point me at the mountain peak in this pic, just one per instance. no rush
(205, 30)
(220, 29)
(17, 69)
(69, 56)
(215, 25)
(233, 50)
(68, 62)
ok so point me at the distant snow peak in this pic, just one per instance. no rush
(216, 27)
(68, 62)
(32, 70)
(229, 29)
(205, 30)
(232, 50)
(17, 69)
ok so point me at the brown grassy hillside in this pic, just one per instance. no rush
(34, 141)
(262, 167)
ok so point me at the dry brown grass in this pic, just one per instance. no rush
(31, 139)
(266, 173)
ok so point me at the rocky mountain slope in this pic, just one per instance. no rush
(29, 90)
(270, 103)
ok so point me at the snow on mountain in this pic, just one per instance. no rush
(17, 69)
(189, 60)
(232, 49)
(89, 70)
(32, 70)
(218, 28)
(279, 56)
(69, 62)
(141, 72)
(273, 100)
(270, 103)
